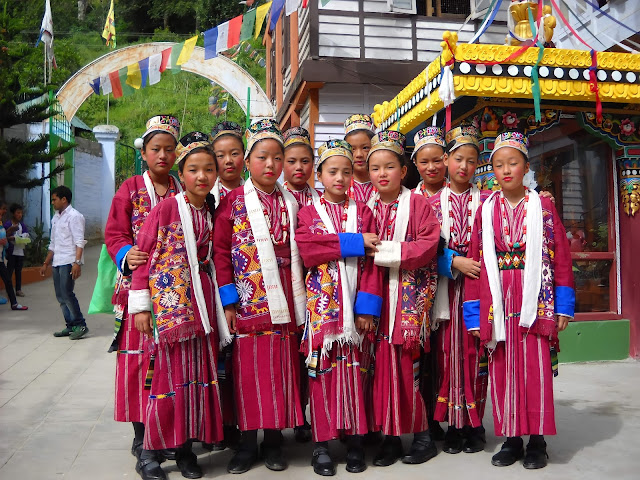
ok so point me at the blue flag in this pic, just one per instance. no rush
(95, 84)
(276, 9)
(144, 71)
(210, 39)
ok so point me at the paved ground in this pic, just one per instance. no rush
(56, 411)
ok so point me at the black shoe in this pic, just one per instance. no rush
(214, 447)
(475, 441)
(149, 469)
(453, 441)
(136, 448)
(536, 456)
(232, 437)
(436, 431)
(355, 460)
(167, 454)
(509, 453)
(273, 458)
(390, 452)
(187, 462)
(243, 460)
(422, 450)
(322, 463)
(303, 433)
(373, 438)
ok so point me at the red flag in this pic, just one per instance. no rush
(305, 3)
(166, 55)
(116, 87)
(235, 25)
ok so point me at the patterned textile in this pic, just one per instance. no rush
(388, 140)
(333, 148)
(190, 142)
(163, 123)
(361, 192)
(262, 130)
(462, 135)
(304, 197)
(226, 128)
(511, 260)
(297, 135)
(512, 139)
(428, 136)
(359, 121)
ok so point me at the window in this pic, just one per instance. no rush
(439, 8)
(576, 168)
(402, 6)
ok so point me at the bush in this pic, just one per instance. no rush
(36, 252)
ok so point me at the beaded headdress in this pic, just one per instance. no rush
(163, 123)
(359, 121)
(189, 143)
(334, 148)
(387, 140)
(512, 139)
(226, 128)
(428, 136)
(297, 135)
(261, 130)
(462, 135)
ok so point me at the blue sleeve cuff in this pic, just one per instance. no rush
(228, 294)
(351, 245)
(444, 263)
(471, 314)
(565, 302)
(119, 260)
(368, 304)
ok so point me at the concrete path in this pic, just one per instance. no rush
(56, 412)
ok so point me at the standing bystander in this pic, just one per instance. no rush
(16, 231)
(65, 254)
(4, 274)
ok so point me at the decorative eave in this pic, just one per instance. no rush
(563, 76)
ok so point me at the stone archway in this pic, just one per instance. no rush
(221, 70)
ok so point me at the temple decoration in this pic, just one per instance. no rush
(629, 165)
(520, 26)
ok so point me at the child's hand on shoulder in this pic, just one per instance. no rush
(230, 315)
(144, 323)
(364, 323)
(562, 322)
(468, 266)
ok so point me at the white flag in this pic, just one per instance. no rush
(154, 68)
(105, 83)
(223, 38)
(291, 6)
(46, 32)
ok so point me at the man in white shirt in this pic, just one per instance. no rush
(65, 254)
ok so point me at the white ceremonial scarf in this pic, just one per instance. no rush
(148, 183)
(278, 306)
(532, 266)
(348, 269)
(418, 190)
(399, 235)
(441, 309)
(215, 191)
(190, 244)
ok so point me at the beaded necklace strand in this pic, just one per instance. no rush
(345, 208)
(392, 214)
(284, 219)
(467, 229)
(505, 223)
(207, 216)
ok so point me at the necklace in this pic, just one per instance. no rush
(209, 223)
(345, 208)
(467, 229)
(284, 219)
(390, 227)
(305, 197)
(505, 223)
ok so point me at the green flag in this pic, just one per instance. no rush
(126, 88)
(248, 23)
(175, 54)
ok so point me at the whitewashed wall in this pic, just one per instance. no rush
(87, 183)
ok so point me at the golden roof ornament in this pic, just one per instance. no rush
(520, 27)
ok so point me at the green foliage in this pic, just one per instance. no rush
(36, 251)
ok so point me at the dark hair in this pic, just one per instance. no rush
(206, 149)
(148, 138)
(319, 167)
(526, 160)
(15, 207)
(62, 192)
(309, 147)
(210, 200)
(401, 158)
(228, 135)
(452, 144)
(369, 133)
(262, 140)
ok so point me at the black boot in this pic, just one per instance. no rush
(536, 456)
(511, 451)
(247, 453)
(373, 438)
(303, 433)
(138, 437)
(453, 440)
(355, 455)
(422, 449)
(389, 453)
(436, 431)
(475, 440)
(148, 466)
(321, 461)
(187, 462)
(271, 450)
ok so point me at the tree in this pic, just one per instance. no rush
(18, 157)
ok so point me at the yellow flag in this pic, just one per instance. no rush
(134, 76)
(261, 13)
(109, 32)
(187, 50)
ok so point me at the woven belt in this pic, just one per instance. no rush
(511, 260)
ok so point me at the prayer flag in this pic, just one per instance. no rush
(175, 54)
(235, 25)
(210, 39)
(126, 88)
(276, 10)
(144, 71)
(248, 24)
(105, 83)
(261, 14)
(187, 50)
(223, 37)
(116, 88)
(134, 77)
(291, 6)
(155, 62)
(166, 57)
(46, 34)
(109, 32)
(95, 85)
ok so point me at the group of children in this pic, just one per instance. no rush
(240, 301)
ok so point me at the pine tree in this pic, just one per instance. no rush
(19, 157)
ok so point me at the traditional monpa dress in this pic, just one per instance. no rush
(361, 191)
(130, 207)
(409, 233)
(265, 355)
(184, 400)
(462, 390)
(305, 196)
(331, 340)
(520, 331)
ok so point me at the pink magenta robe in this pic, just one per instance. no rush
(266, 366)
(462, 382)
(361, 192)
(338, 401)
(184, 401)
(398, 404)
(520, 369)
(130, 207)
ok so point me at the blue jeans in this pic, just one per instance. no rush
(63, 284)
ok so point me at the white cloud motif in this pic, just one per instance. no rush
(245, 290)
(169, 299)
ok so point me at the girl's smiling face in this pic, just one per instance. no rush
(387, 172)
(160, 153)
(298, 166)
(198, 174)
(429, 161)
(335, 175)
(229, 152)
(265, 164)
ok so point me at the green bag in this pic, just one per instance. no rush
(105, 284)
